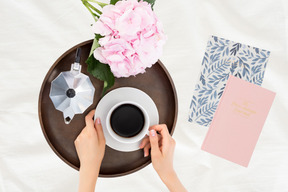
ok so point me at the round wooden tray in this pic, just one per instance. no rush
(156, 82)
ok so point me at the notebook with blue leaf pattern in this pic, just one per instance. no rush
(221, 59)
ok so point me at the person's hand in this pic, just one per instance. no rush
(146, 145)
(162, 152)
(90, 147)
(90, 143)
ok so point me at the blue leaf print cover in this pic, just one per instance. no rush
(222, 58)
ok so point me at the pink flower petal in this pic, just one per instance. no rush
(133, 37)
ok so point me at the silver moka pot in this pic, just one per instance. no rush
(72, 92)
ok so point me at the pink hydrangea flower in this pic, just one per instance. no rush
(132, 40)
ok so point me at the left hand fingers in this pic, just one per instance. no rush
(80, 134)
(89, 120)
(99, 130)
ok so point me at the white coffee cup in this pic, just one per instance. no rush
(133, 139)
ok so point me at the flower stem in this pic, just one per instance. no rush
(99, 3)
(91, 8)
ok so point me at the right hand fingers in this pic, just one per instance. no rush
(144, 142)
(146, 149)
(155, 151)
(148, 146)
(163, 130)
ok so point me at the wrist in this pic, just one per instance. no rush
(91, 170)
(168, 177)
(88, 178)
(90, 164)
(172, 182)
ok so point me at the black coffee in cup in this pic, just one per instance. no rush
(127, 120)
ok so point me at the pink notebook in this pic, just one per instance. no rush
(238, 121)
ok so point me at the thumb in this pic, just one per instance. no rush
(155, 151)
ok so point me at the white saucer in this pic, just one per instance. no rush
(119, 95)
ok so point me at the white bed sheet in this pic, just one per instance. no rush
(34, 33)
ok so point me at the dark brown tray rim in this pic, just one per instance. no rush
(47, 138)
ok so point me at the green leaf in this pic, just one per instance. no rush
(113, 2)
(101, 71)
(152, 2)
(95, 44)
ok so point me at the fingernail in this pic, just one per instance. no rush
(153, 133)
(98, 121)
(145, 154)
